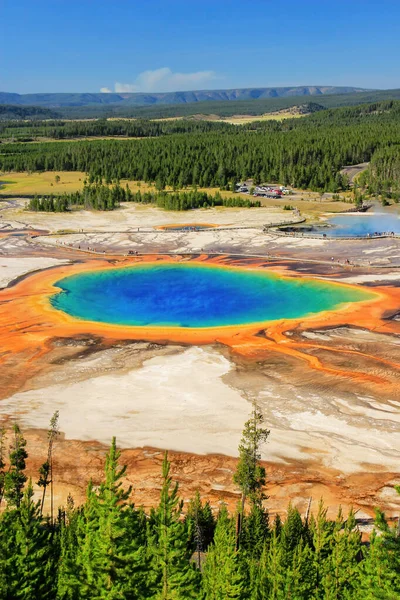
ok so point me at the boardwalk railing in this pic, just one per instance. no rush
(362, 209)
(285, 223)
(326, 236)
(159, 229)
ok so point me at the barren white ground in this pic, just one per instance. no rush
(184, 401)
(11, 268)
(131, 216)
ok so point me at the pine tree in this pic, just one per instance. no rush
(258, 574)
(254, 537)
(46, 470)
(26, 554)
(111, 502)
(2, 462)
(68, 573)
(380, 569)
(255, 531)
(250, 475)
(301, 575)
(82, 574)
(223, 574)
(111, 557)
(286, 569)
(137, 583)
(176, 578)
(341, 576)
(120, 550)
(291, 535)
(321, 531)
(15, 478)
(274, 578)
(377, 578)
(202, 525)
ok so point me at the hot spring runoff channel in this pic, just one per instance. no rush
(195, 295)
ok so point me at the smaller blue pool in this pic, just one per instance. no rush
(363, 225)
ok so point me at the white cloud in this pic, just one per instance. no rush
(105, 90)
(164, 80)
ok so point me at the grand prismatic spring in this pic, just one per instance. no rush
(195, 295)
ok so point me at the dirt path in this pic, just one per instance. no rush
(353, 171)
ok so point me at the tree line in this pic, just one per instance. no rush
(109, 548)
(61, 130)
(92, 197)
(96, 196)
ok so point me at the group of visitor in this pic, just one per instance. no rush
(381, 234)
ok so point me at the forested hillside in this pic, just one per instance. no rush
(223, 108)
(383, 175)
(304, 153)
(8, 112)
(129, 98)
(109, 548)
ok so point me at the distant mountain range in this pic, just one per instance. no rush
(150, 99)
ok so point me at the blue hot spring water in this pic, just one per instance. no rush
(194, 295)
(363, 225)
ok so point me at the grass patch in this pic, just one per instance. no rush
(42, 183)
(242, 119)
(69, 181)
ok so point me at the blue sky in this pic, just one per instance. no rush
(165, 45)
